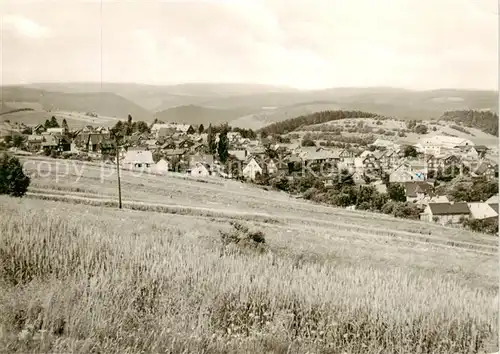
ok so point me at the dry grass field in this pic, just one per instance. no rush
(79, 275)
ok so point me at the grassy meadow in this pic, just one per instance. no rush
(78, 275)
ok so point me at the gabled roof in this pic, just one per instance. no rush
(138, 156)
(379, 154)
(366, 153)
(95, 138)
(50, 140)
(484, 166)
(151, 142)
(320, 154)
(250, 160)
(202, 158)
(168, 143)
(482, 211)
(186, 141)
(200, 165)
(449, 208)
(256, 150)
(481, 148)
(358, 162)
(494, 206)
(417, 165)
(493, 200)
(412, 188)
(162, 164)
(35, 138)
(439, 199)
(55, 130)
(445, 141)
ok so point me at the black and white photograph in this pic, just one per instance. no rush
(249, 176)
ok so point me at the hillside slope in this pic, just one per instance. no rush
(159, 269)
(105, 103)
(192, 114)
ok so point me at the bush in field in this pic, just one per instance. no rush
(421, 129)
(388, 207)
(13, 181)
(280, 182)
(242, 237)
(485, 226)
(406, 211)
(308, 142)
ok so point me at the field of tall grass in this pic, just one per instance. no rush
(78, 275)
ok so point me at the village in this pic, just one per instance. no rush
(182, 148)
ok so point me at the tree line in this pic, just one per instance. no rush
(486, 121)
(292, 124)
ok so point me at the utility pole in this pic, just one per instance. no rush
(118, 173)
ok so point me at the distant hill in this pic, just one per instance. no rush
(392, 102)
(485, 121)
(244, 105)
(75, 121)
(270, 115)
(104, 103)
(192, 114)
(158, 98)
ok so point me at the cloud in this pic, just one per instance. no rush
(26, 27)
(314, 43)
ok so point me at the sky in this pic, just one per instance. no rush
(306, 44)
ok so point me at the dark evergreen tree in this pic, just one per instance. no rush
(223, 145)
(54, 123)
(13, 181)
(212, 146)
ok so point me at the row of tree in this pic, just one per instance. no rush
(487, 121)
(292, 124)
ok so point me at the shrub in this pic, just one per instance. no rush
(241, 237)
(13, 181)
(421, 129)
(308, 142)
(397, 192)
(485, 226)
(388, 207)
(406, 211)
(281, 183)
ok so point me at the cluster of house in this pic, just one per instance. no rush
(445, 212)
(181, 148)
(94, 140)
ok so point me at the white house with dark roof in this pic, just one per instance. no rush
(138, 159)
(445, 213)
